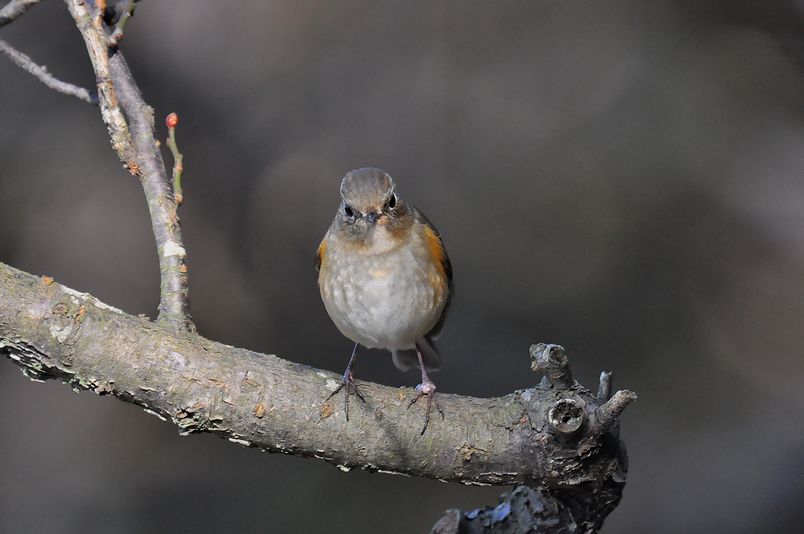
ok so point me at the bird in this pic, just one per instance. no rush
(385, 280)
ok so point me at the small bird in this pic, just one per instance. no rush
(385, 279)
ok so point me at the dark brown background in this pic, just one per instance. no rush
(623, 178)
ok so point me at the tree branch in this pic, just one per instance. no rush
(41, 74)
(130, 122)
(274, 405)
(14, 9)
(174, 304)
(8, 14)
(94, 37)
(117, 34)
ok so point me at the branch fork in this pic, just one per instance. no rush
(130, 122)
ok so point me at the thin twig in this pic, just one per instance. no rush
(40, 73)
(117, 34)
(604, 387)
(171, 122)
(14, 9)
(608, 413)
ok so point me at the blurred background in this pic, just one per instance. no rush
(623, 178)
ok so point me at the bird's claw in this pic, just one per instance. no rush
(427, 389)
(348, 382)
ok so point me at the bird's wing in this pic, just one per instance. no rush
(320, 254)
(435, 246)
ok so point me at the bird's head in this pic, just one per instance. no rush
(369, 198)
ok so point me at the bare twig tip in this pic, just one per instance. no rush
(14, 9)
(604, 388)
(171, 121)
(41, 73)
(611, 410)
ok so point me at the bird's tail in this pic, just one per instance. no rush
(408, 359)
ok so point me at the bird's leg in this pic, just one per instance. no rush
(428, 388)
(348, 382)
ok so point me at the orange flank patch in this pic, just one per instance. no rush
(320, 255)
(436, 250)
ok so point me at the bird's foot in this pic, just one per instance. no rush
(348, 382)
(428, 389)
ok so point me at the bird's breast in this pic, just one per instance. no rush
(384, 300)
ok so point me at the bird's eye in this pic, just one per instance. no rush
(348, 211)
(391, 201)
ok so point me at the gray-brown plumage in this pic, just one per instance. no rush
(384, 275)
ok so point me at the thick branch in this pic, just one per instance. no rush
(41, 74)
(130, 122)
(265, 402)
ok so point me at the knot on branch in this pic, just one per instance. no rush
(583, 475)
(576, 405)
(566, 416)
(550, 361)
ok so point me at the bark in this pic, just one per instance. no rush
(557, 437)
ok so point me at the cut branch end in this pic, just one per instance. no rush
(550, 361)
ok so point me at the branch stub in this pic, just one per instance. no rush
(566, 417)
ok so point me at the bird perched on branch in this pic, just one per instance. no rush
(385, 279)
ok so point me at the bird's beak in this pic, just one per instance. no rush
(372, 217)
